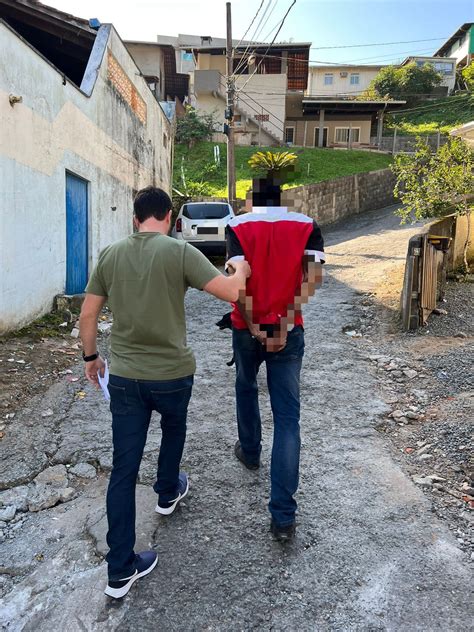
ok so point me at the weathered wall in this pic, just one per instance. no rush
(333, 200)
(112, 138)
(150, 59)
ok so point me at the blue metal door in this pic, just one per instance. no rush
(76, 234)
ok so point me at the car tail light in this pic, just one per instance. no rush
(179, 225)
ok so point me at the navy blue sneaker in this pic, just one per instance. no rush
(145, 562)
(167, 508)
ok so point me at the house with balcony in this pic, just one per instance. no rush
(266, 79)
(340, 80)
(459, 46)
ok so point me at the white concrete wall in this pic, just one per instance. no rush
(210, 103)
(341, 85)
(56, 128)
(460, 52)
(264, 94)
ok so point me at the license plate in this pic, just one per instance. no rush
(208, 230)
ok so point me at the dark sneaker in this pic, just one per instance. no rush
(165, 509)
(283, 534)
(144, 564)
(240, 455)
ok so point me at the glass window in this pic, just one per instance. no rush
(289, 135)
(342, 134)
(205, 211)
(328, 79)
(355, 78)
(444, 67)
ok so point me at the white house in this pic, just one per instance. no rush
(460, 45)
(340, 80)
(81, 132)
(446, 67)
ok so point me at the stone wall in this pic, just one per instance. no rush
(333, 200)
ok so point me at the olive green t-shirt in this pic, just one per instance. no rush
(145, 278)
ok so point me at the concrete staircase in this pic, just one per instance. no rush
(248, 107)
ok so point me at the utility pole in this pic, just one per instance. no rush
(229, 113)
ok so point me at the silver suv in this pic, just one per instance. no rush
(203, 225)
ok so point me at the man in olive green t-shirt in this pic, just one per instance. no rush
(144, 278)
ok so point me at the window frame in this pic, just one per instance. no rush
(353, 140)
(292, 127)
(326, 76)
(354, 75)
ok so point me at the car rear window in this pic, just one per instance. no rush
(205, 211)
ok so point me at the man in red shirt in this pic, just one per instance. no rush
(285, 251)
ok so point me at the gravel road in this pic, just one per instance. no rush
(369, 553)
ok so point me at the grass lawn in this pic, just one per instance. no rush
(444, 114)
(313, 166)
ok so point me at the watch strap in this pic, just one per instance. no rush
(90, 358)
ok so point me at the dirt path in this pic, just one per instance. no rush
(369, 553)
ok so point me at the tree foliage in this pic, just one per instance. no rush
(468, 76)
(436, 184)
(408, 82)
(194, 127)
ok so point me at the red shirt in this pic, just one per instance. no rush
(273, 241)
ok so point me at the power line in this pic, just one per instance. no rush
(248, 45)
(271, 43)
(432, 39)
(250, 25)
(257, 33)
(352, 63)
(432, 105)
(264, 23)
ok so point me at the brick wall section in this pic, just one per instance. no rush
(333, 200)
(120, 81)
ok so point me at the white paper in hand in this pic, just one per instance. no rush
(103, 381)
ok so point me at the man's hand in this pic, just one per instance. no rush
(278, 342)
(230, 288)
(257, 333)
(239, 267)
(93, 369)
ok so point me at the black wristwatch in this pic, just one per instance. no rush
(90, 358)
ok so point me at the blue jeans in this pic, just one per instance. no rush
(283, 379)
(131, 404)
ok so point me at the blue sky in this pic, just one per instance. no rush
(322, 22)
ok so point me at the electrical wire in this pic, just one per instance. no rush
(250, 25)
(432, 105)
(352, 63)
(432, 39)
(253, 37)
(258, 28)
(263, 24)
(269, 46)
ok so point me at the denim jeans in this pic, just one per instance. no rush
(131, 404)
(283, 379)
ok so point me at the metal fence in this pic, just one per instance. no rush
(397, 143)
